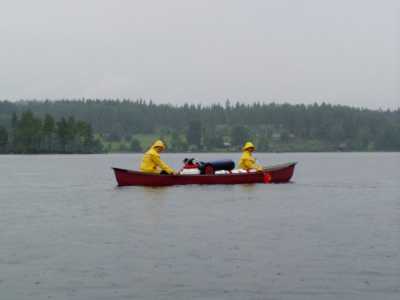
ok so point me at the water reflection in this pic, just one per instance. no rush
(155, 203)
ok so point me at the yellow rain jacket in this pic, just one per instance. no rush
(152, 162)
(247, 161)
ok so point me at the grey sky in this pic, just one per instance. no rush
(298, 51)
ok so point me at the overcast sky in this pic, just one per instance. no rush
(176, 51)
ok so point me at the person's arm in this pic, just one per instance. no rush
(256, 165)
(163, 166)
(251, 164)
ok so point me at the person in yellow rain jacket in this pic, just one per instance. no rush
(247, 161)
(152, 162)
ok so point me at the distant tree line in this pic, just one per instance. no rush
(30, 134)
(273, 127)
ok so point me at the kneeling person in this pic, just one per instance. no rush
(152, 162)
(247, 161)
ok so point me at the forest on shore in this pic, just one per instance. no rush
(30, 134)
(96, 126)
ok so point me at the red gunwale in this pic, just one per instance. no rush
(272, 174)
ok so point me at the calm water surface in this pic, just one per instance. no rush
(66, 231)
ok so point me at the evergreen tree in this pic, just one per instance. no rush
(135, 146)
(48, 131)
(28, 134)
(239, 135)
(193, 135)
(14, 120)
(62, 135)
(3, 139)
(178, 144)
(212, 139)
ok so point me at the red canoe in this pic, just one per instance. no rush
(272, 174)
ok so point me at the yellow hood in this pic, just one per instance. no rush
(247, 146)
(158, 144)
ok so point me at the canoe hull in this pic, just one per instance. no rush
(273, 174)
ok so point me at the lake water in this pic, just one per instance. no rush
(67, 231)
